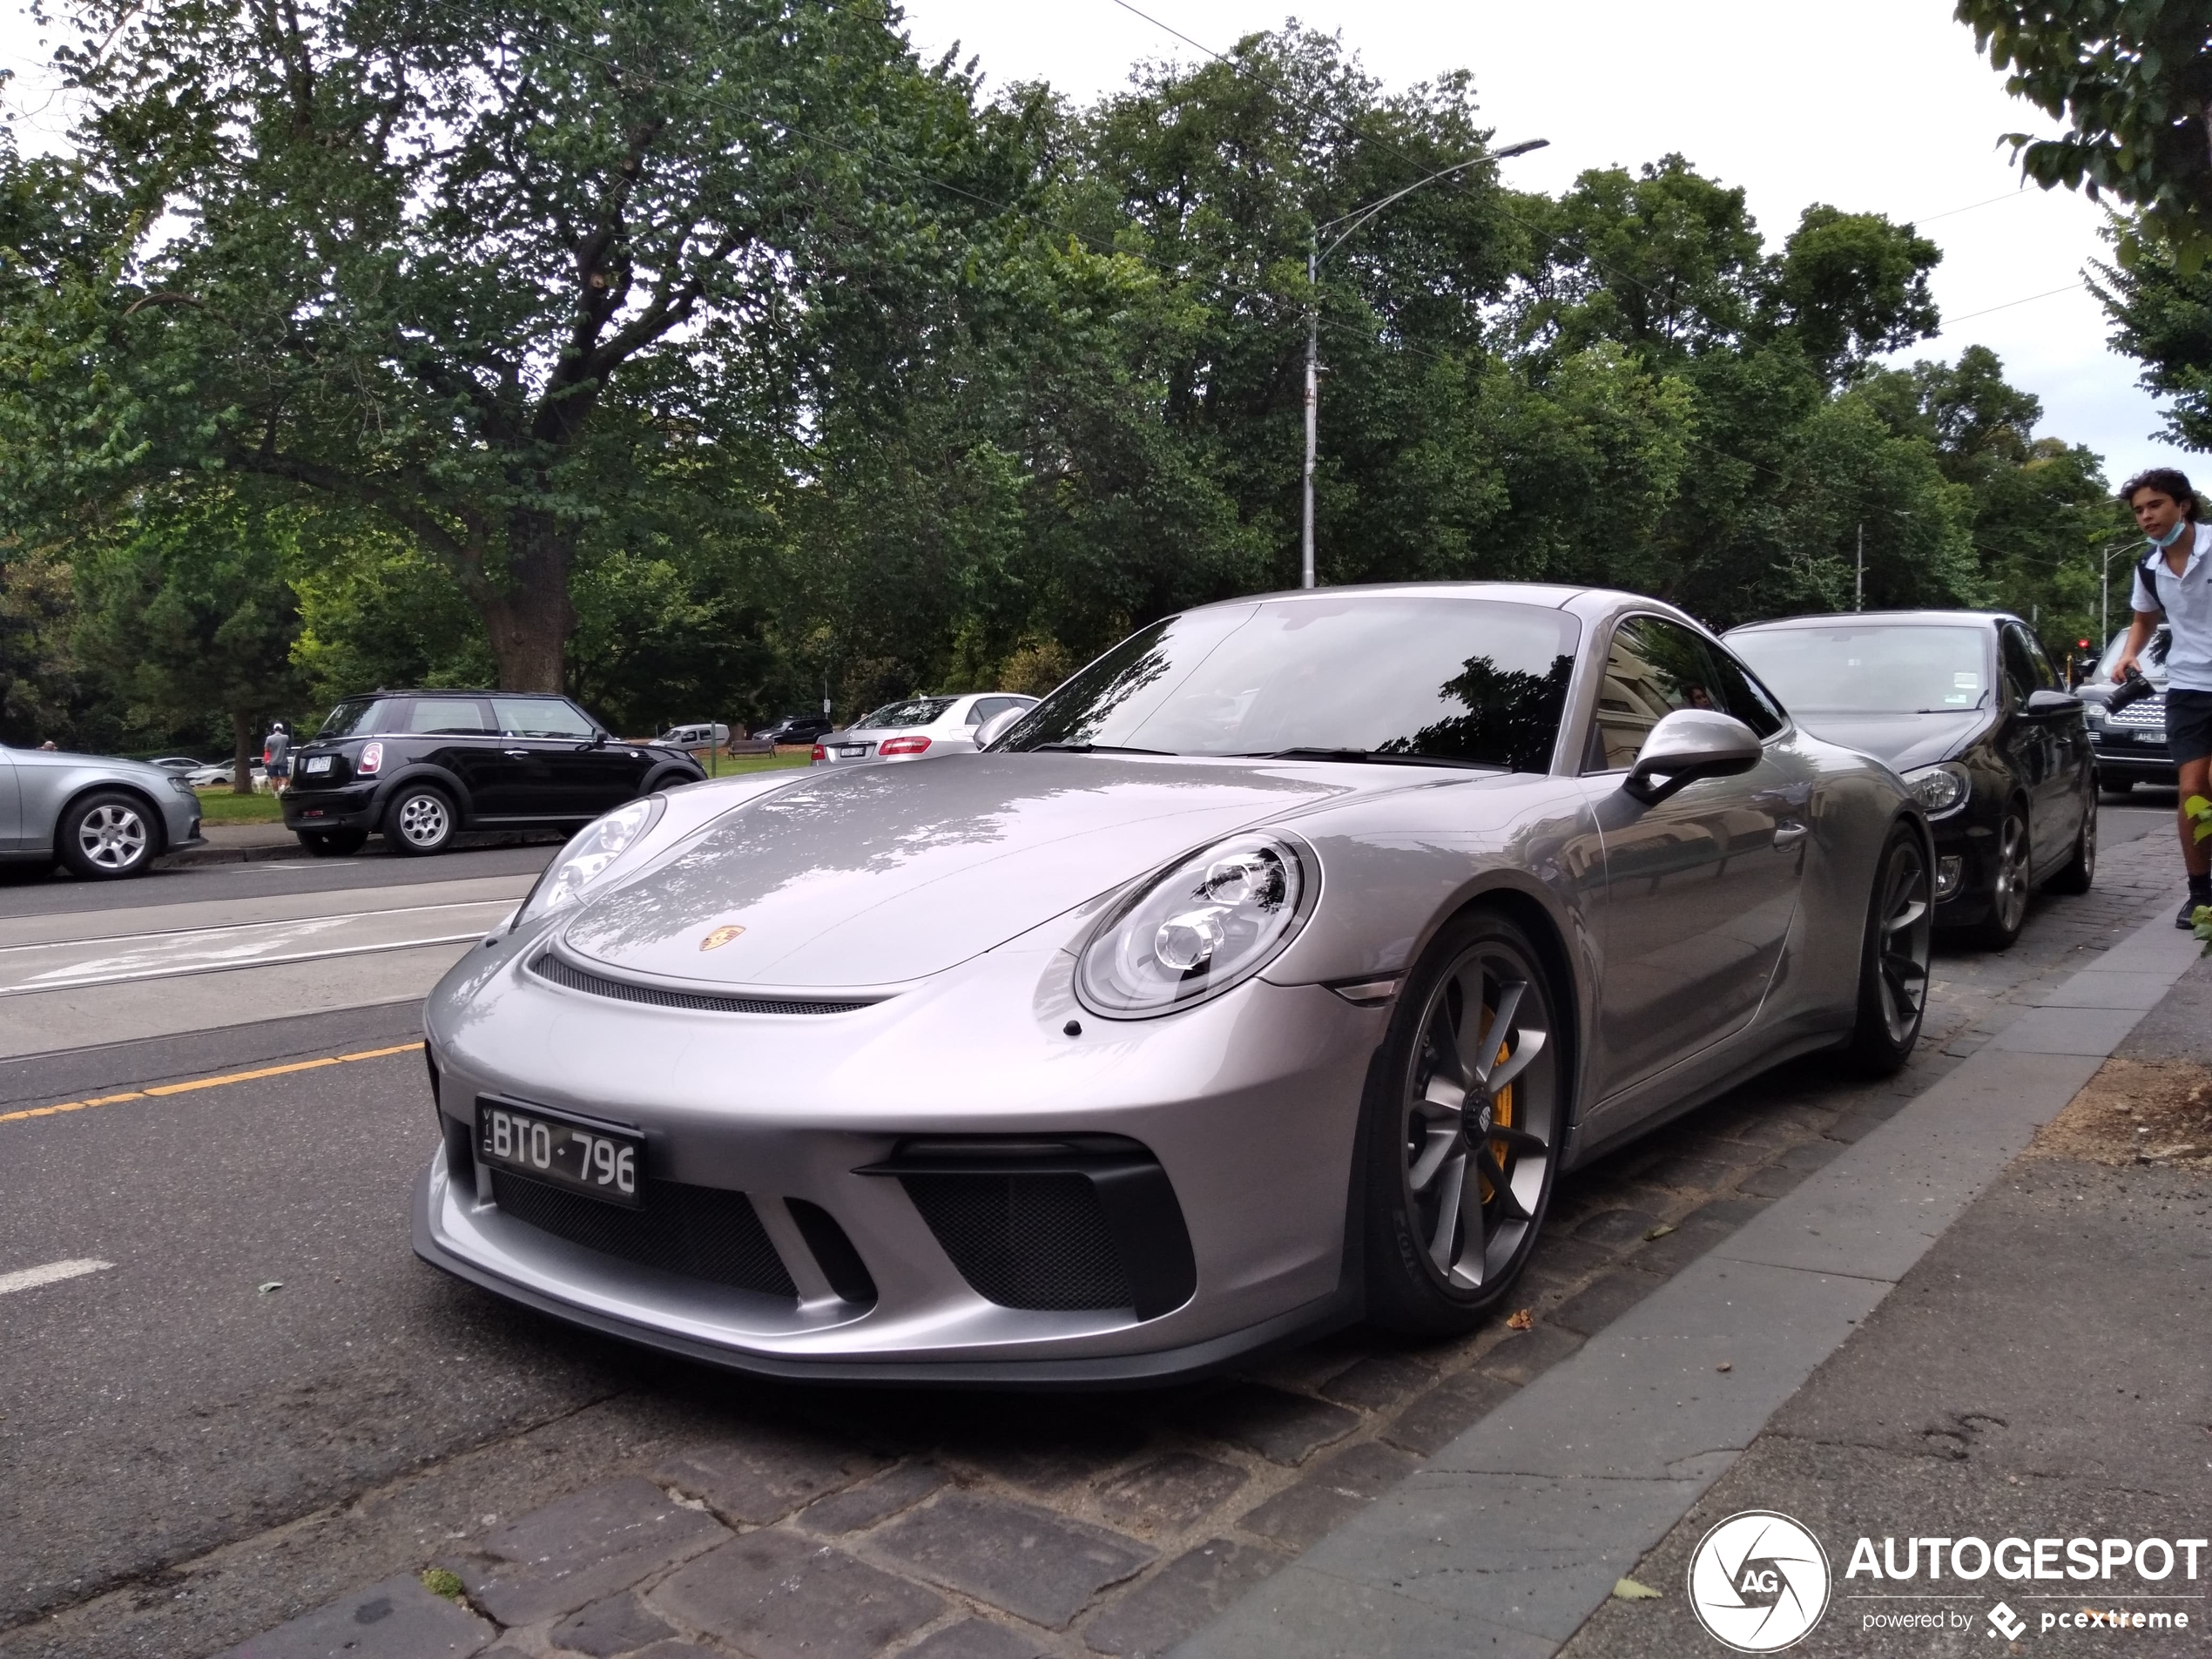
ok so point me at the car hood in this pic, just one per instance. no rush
(1901, 741)
(882, 875)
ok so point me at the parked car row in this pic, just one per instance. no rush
(918, 727)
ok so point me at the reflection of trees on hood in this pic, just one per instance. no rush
(1511, 717)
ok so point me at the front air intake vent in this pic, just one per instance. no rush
(699, 1232)
(552, 968)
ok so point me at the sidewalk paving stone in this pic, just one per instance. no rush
(1435, 1419)
(976, 1638)
(763, 1477)
(1032, 1563)
(602, 1540)
(775, 1595)
(615, 1624)
(1170, 1493)
(1282, 1427)
(1379, 1380)
(1340, 1485)
(860, 1507)
(397, 1619)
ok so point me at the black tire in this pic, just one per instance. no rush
(107, 836)
(334, 843)
(2117, 788)
(2080, 869)
(1432, 1125)
(2014, 858)
(1893, 957)
(420, 821)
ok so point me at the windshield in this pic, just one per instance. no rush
(346, 718)
(2152, 661)
(1871, 669)
(1473, 681)
(915, 711)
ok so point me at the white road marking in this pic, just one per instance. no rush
(30, 1278)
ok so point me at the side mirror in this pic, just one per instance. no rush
(989, 731)
(2048, 702)
(1686, 745)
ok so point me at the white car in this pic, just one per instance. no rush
(917, 728)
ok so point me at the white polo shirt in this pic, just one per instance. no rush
(2186, 600)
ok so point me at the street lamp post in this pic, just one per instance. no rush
(2104, 590)
(1315, 253)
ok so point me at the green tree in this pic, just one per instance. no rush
(422, 261)
(2162, 318)
(2132, 81)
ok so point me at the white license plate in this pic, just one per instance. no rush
(851, 751)
(317, 763)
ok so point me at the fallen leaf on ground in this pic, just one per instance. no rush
(1660, 1231)
(267, 1285)
(1628, 1589)
(1521, 1319)
(1725, 1364)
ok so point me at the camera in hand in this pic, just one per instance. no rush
(2133, 688)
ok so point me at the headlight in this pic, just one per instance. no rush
(586, 860)
(1212, 921)
(1939, 789)
(184, 789)
(2093, 712)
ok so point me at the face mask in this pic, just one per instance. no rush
(2163, 543)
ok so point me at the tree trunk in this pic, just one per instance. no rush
(241, 754)
(530, 617)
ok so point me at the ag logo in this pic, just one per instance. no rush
(2007, 1623)
(1758, 1581)
(720, 936)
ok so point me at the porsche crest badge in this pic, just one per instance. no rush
(720, 936)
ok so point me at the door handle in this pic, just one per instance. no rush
(1788, 833)
(516, 754)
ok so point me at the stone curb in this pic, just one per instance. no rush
(1515, 1533)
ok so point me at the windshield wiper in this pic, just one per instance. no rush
(1098, 749)
(1377, 756)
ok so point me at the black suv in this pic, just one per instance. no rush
(795, 728)
(420, 766)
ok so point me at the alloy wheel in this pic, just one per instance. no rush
(111, 836)
(1908, 937)
(423, 819)
(1479, 1116)
(2008, 900)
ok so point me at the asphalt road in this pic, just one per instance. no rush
(232, 1333)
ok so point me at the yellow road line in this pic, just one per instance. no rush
(207, 1083)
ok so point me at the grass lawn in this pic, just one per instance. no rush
(731, 765)
(219, 805)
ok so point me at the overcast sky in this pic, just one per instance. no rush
(1881, 105)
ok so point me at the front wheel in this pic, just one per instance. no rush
(1893, 957)
(107, 836)
(2008, 887)
(1462, 1130)
(2082, 869)
(420, 822)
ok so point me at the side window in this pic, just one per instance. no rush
(540, 717)
(2046, 675)
(448, 717)
(988, 706)
(1745, 698)
(2018, 662)
(1652, 668)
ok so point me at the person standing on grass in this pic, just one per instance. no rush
(2175, 581)
(276, 755)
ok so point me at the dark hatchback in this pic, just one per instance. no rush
(2130, 741)
(422, 766)
(1964, 705)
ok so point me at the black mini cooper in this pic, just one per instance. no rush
(422, 766)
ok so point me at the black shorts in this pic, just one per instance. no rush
(2188, 725)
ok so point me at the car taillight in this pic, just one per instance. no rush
(820, 754)
(372, 758)
(904, 747)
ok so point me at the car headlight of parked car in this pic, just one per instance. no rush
(1209, 923)
(590, 856)
(1939, 789)
(184, 788)
(2093, 712)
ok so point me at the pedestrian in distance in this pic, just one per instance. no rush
(276, 756)
(2175, 581)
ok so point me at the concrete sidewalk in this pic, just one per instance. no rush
(1510, 1539)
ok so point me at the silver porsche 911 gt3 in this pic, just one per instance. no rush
(1264, 977)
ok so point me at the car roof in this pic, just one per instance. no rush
(1906, 618)
(442, 691)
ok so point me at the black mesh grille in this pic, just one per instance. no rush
(547, 966)
(1026, 1241)
(701, 1232)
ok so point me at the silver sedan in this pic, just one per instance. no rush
(917, 729)
(1262, 978)
(100, 818)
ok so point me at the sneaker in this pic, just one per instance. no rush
(2187, 918)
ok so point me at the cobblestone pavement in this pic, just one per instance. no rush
(702, 1517)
